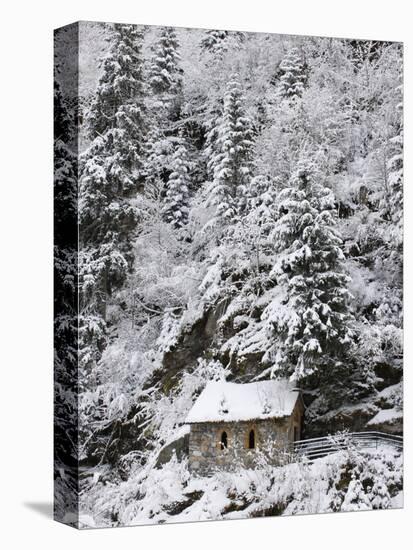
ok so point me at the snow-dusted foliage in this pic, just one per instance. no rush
(177, 194)
(292, 75)
(110, 172)
(345, 481)
(232, 160)
(65, 298)
(310, 329)
(395, 164)
(164, 74)
(240, 219)
(217, 43)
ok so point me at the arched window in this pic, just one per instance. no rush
(251, 440)
(224, 441)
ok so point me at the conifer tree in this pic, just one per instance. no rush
(214, 40)
(160, 149)
(65, 214)
(62, 118)
(312, 326)
(111, 172)
(292, 75)
(177, 195)
(395, 164)
(165, 78)
(211, 137)
(65, 306)
(232, 161)
(379, 496)
(120, 90)
(356, 498)
(112, 166)
(165, 75)
(65, 164)
(217, 42)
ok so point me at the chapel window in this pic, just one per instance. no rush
(251, 440)
(224, 441)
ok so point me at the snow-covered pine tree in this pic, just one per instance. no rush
(165, 78)
(217, 42)
(292, 75)
(232, 160)
(65, 248)
(65, 166)
(121, 83)
(380, 496)
(65, 244)
(111, 169)
(165, 74)
(395, 164)
(250, 236)
(211, 137)
(310, 326)
(214, 40)
(62, 118)
(66, 434)
(356, 498)
(252, 232)
(177, 195)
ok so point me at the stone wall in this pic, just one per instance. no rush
(206, 453)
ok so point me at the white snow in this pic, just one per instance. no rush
(178, 434)
(390, 390)
(385, 416)
(171, 495)
(230, 402)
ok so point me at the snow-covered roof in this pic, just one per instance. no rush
(230, 402)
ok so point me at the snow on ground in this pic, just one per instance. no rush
(344, 481)
(386, 416)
